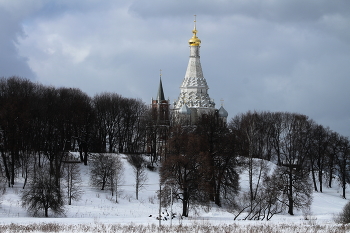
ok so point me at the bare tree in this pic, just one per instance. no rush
(139, 169)
(295, 147)
(109, 118)
(3, 180)
(220, 144)
(271, 197)
(253, 131)
(72, 182)
(102, 170)
(267, 194)
(185, 167)
(134, 126)
(288, 144)
(320, 146)
(343, 163)
(43, 194)
(247, 128)
(116, 178)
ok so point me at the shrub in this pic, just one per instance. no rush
(344, 216)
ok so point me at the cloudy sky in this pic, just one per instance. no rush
(265, 55)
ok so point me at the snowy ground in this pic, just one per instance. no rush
(98, 207)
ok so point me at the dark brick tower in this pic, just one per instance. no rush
(160, 125)
(160, 107)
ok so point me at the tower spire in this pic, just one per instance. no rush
(195, 29)
(160, 94)
(194, 88)
(194, 41)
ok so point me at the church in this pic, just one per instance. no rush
(193, 101)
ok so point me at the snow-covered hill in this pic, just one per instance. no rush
(98, 206)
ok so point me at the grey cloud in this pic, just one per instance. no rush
(11, 63)
(256, 55)
(296, 10)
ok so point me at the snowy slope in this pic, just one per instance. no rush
(98, 206)
(324, 206)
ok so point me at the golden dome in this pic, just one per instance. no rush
(194, 41)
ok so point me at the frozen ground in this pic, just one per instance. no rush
(98, 208)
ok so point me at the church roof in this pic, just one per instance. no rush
(160, 95)
(185, 110)
(223, 112)
(194, 41)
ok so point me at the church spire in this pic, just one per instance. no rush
(160, 94)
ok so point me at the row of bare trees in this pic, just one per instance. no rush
(299, 147)
(200, 163)
(40, 121)
(120, 123)
(40, 124)
(204, 161)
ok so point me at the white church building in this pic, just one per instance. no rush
(193, 101)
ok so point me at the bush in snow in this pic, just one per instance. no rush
(344, 216)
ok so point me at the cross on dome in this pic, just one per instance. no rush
(194, 41)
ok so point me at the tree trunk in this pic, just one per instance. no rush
(116, 193)
(137, 183)
(39, 159)
(185, 203)
(320, 178)
(330, 171)
(4, 159)
(81, 153)
(12, 164)
(290, 206)
(26, 176)
(69, 186)
(217, 190)
(290, 193)
(137, 192)
(217, 197)
(313, 177)
(103, 182)
(250, 170)
(344, 185)
(330, 176)
(110, 146)
(85, 157)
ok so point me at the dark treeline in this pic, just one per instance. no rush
(200, 164)
(38, 124)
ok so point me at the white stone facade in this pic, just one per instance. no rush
(194, 88)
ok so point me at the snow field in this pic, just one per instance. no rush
(97, 211)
